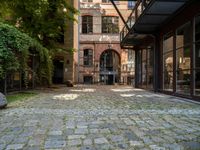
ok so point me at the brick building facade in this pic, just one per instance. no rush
(100, 58)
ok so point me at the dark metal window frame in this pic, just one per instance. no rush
(87, 24)
(110, 24)
(88, 57)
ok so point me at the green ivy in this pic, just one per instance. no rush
(14, 54)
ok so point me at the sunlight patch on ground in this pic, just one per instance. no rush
(122, 90)
(65, 97)
(83, 90)
(127, 95)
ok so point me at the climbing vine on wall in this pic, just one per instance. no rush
(15, 49)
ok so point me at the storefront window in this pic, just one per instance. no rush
(150, 58)
(144, 68)
(183, 59)
(197, 56)
(168, 62)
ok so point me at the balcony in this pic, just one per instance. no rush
(146, 18)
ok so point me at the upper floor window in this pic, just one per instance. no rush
(131, 4)
(88, 57)
(110, 24)
(105, 1)
(87, 24)
(85, 1)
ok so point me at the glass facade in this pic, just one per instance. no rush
(168, 62)
(145, 68)
(183, 59)
(197, 56)
(187, 56)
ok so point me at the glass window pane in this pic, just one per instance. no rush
(87, 24)
(197, 28)
(183, 58)
(168, 80)
(168, 43)
(183, 81)
(144, 55)
(183, 35)
(168, 61)
(197, 82)
(197, 55)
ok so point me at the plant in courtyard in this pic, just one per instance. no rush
(15, 48)
(44, 20)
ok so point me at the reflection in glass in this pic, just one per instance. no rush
(197, 56)
(183, 35)
(168, 62)
(183, 81)
(197, 82)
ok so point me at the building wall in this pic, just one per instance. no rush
(98, 41)
(70, 42)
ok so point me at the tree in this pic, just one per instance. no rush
(15, 48)
(43, 20)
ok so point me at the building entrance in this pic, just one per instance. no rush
(109, 67)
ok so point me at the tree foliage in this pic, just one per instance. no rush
(15, 49)
(42, 19)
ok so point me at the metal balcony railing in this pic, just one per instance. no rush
(135, 14)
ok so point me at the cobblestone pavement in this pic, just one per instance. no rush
(101, 117)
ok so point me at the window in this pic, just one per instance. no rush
(168, 62)
(89, 1)
(183, 38)
(88, 57)
(110, 24)
(197, 55)
(105, 1)
(87, 24)
(131, 4)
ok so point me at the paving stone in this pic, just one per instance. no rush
(136, 143)
(87, 142)
(15, 147)
(106, 131)
(193, 145)
(122, 145)
(100, 141)
(94, 130)
(131, 136)
(156, 147)
(72, 137)
(54, 144)
(33, 148)
(87, 148)
(81, 131)
(117, 138)
(2, 146)
(76, 142)
(173, 146)
(55, 133)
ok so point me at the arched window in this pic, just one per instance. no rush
(87, 24)
(88, 57)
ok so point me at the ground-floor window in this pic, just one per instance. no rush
(183, 59)
(197, 56)
(145, 68)
(168, 62)
(178, 46)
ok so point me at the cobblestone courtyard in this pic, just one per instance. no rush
(101, 117)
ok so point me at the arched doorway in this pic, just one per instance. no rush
(109, 67)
